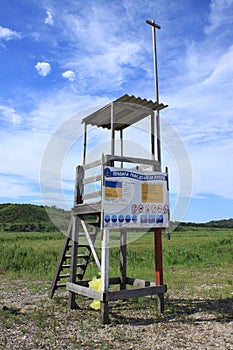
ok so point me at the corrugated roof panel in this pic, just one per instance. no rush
(127, 111)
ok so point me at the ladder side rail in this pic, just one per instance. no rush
(73, 261)
(61, 259)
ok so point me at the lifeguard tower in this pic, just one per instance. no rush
(131, 194)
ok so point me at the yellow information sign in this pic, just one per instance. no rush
(113, 189)
(152, 193)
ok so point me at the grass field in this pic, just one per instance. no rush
(198, 305)
(197, 261)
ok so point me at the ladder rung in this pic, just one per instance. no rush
(64, 275)
(66, 266)
(78, 256)
(81, 265)
(61, 285)
(82, 234)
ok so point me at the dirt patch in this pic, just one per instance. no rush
(30, 320)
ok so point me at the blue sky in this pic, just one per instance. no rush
(59, 59)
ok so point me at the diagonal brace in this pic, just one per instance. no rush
(91, 245)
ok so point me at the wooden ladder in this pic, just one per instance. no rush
(83, 252)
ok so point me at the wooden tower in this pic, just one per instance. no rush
(131, 193)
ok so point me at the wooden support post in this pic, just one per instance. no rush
(123, 252)
(105, 274)
(73, 262)
(159, 266)
(152, 134)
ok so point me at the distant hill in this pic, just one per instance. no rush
(224, 223)
(28, 217)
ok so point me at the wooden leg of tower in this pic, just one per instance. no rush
(123, 250)
(73, 262)
(105, 275)
(160, 303)
(159, 266)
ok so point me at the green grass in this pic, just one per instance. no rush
(197, 261)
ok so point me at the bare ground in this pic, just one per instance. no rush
(30, 320)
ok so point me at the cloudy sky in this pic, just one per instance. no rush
(61, 59)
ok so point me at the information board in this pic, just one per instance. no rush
(134, 199)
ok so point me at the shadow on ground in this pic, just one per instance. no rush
(176, 310)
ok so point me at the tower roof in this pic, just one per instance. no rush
(127, 111)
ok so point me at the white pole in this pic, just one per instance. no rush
(156, 26)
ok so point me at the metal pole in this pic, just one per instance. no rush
(84, 144)
(112, 132)
(157, 231)
(156, 26)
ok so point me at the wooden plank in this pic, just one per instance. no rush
(91, 179)
(92, 164)
(136, 282)
(79, 188)
(105, 273)
(112, 281)
(158, 256)
(87, 208)
(135, 293)
(105, 260)
(123, 252)
(152, 162)
(92, 195)
(85, 291)
(61, 259)
(91, 245)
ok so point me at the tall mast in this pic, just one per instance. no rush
(154, 27)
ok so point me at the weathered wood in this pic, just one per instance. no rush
(158, 256)
(136, 282)
(87, 208)
(105, 273)
(91, 179)
(112, 281)
(85, 144)
(123, 251)
(105, 312)
(73, 262)
(80, 187)
(160, 303)
(85, 291)
(92, 195)
(92, 164)
(135, 293)
(61, 259)
(152, 162)
(91, 245)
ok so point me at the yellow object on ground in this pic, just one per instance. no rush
(95, 284)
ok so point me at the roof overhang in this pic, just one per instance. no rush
(127, 111)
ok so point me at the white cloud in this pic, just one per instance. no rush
(8, 34)
(9, 115)
(49, 18)
(69, 74)
(221, 15)
(43, 68)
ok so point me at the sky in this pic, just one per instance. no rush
(60, 60)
